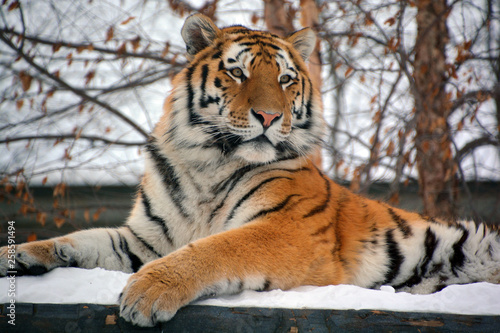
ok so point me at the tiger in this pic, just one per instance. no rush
(231, 199)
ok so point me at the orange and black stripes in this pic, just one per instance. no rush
(324, 204)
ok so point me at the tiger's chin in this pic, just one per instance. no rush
(256, 152)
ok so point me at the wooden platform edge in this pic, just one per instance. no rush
(105, 318)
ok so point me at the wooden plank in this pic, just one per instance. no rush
(102, 318)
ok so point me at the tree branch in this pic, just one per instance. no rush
(470, 146)
(471, 96)
(74, 136)
(79, 92)
(83, 46)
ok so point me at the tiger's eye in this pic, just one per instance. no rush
(237, 72)
(285, 79)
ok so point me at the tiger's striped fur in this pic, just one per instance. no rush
(230, 199)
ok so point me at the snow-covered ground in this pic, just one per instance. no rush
(98, 286)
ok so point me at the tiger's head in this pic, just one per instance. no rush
(246, 93)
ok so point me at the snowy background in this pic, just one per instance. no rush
(98, 286)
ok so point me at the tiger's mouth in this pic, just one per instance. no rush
(261, 147)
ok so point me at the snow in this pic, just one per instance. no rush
(98, 286)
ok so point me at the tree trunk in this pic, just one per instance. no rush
(277, 18)
(309, 18)
(435, 165)
(495, 64)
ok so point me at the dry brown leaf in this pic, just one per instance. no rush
(19, 104)
(26, 80)
(136, 42)
(31, 237)
(348, 71)
(59, 221)
(127, 20)
(109, 34)
(89, 77)
(97, 213)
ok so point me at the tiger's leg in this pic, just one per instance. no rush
(255, 257)
(113, 249)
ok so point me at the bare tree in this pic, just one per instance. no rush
(427, 94)
(433, 138)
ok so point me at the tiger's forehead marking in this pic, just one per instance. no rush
(265, 47)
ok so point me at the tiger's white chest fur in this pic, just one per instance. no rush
(201, 198)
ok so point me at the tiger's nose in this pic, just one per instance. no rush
(266, 118)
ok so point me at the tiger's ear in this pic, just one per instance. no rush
(198, 32)
(303, 41)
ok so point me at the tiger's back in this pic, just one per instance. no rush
(230, 199)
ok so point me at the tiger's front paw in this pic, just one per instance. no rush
(152, 295)
(8, 260)
(35, 258)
